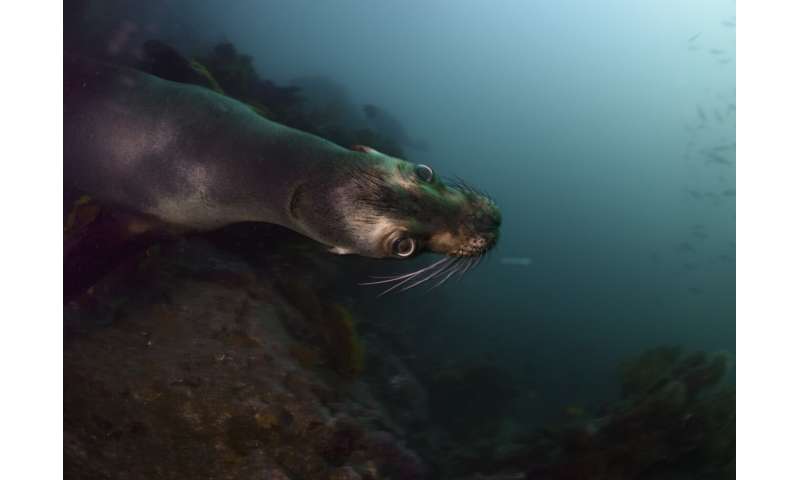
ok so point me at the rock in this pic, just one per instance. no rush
(194, 377)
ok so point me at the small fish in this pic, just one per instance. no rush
(518, 261)
(701, 113)
(716, 51)
(718, 116)
(685, 247)
(693, 193)
(399, 381)
(725, 148)
(574, 411)
(694, 37)
(714, 157)
(729, 24)
(695, 290)
(700, 235)
(731, 192)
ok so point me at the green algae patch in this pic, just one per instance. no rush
(344, 346)
(84, 211)
(327, 329)
(202, 70)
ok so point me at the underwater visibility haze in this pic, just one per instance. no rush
(548, 189)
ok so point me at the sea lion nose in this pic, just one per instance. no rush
(496, 219)
(490, 221)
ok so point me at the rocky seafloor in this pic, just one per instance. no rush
(191, 363)
(193, 359)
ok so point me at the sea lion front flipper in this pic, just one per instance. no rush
(96, 241)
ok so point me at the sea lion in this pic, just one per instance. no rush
(191, 158)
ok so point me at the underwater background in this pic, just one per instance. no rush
(604, 130)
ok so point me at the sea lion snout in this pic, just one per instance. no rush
(487, 221)
(471, 233)
(491, 220)
(481, 228)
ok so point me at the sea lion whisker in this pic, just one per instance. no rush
(394, 278)
(467, 266)
(478, 261)
(401, 282)
(388, 290)
(452, 270)
(387, 278)
(467, 189)
(417, 273)
(431, 276)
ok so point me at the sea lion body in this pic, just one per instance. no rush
(182, 153)
(192, 158)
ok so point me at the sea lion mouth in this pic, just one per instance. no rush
(474, 247)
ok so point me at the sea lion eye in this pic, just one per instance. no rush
(424, 172)
(403, 246)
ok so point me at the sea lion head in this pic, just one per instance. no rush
(391, 208)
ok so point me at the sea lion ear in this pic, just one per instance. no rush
(363, 149)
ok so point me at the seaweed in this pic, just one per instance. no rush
(343, 344)
(326, 327)
(235, 74)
